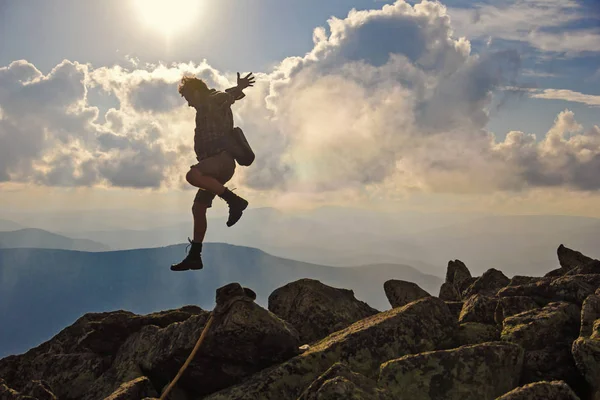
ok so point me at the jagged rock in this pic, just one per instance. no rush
(518, 280)
(339, 383)
(133, 390)
(7, 393)
(586, 352)
(449, 292)
(478, 372)
(457, 273)
(455, 307)
(509, 306)
(546, 334)
(569, 259)
(240, 342)
(315, 309)
(400, 293)
(593, 267)
(475, 333)
(478, 308)
(422, 325)
(590, 312)
(75, 358)
(571, 288)
(488, 284)
(555, 390)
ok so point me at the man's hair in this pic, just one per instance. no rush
(189, 84)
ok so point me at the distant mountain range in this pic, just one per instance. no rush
(38, 238)
(43, 290)
(344, 237)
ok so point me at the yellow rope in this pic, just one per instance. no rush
(189, 359)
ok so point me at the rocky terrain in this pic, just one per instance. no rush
(485, 337)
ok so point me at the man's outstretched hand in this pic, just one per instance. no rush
(246, 81)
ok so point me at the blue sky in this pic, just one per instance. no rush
(557, 79)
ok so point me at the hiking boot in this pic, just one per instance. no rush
(188, 263)
(237, 205)
(192, 261)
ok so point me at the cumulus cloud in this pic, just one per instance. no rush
(387, 99)
(543, 24)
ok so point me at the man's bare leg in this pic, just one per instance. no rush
(195, 178)
(236, 204)
(200, 224)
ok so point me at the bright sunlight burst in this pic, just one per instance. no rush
(168, 16)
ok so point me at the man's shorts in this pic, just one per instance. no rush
(221, 167)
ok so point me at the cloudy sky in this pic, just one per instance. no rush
(454, 106)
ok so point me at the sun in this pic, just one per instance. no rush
(167, 16)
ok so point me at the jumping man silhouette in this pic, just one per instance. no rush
(216, 165)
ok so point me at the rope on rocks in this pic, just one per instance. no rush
(218, 311)
(187, 362)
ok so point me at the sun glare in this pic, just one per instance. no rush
(168, 16)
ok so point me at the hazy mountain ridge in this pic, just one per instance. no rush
(338, 236)
(39, 238)
(42, 291)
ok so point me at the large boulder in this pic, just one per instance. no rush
(243, 340)
(555, 390)
(590, 312)
(546, 334)
(570, 288)
(400, 293)
(487, 284)
(315, 309)
(478, 372)
(509, 306)
(478, 308)
(475, 333)
(586, 352)
(422, 325)
(339, 383)
(72, 361)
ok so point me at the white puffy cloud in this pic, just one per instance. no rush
(387, 100)
(544, 24)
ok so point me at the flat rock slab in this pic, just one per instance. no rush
(480, 372)
(555, 390)
(423, 325)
